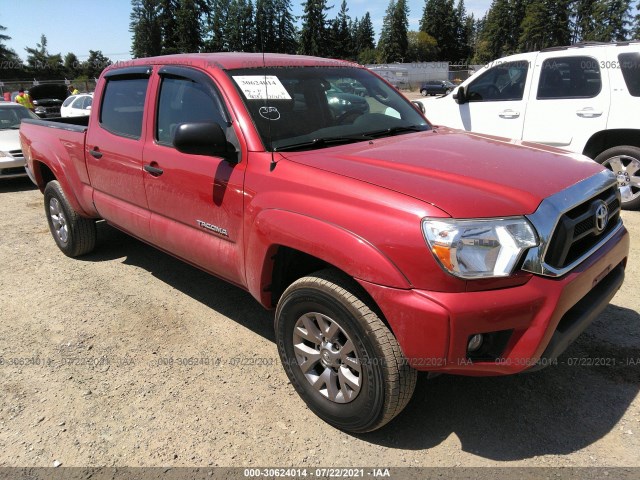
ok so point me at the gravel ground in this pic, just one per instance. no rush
(128, 357)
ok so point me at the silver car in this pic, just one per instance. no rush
(11, 159)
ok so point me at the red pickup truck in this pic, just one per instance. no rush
(385, 244)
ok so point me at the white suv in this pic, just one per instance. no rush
(584, 98)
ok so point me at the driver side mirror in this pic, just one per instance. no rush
(460, 95)
(203, 139)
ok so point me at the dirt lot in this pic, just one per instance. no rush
(130, 357)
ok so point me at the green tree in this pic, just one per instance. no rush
(440, 21)
(216, 25)
(496, 39)
(341, 38)
(394, 42)
(464, 33)
(188, 30)
(43, 64)
(145, 27)
(313, 34)
(12, 64)
(95, 64)
(71, 65)
(534, 34)
(286, 32)
(612, 20)
(240, 29)
(168, 26)
(422, 47)
(265, 26)
(636, 28)
(365, 35)
(584, 23)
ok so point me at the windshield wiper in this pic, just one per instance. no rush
(394, 130)
(324, 142)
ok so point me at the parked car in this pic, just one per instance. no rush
(584, 98)
(47, 98)
(11, 159)
(436, 87)
(77, 105)
(384, 245)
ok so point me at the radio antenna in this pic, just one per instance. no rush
(273, 163)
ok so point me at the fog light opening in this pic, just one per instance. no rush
(475, 342)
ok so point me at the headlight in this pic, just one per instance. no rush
(479, 248)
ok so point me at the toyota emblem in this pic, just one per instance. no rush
(602, 216)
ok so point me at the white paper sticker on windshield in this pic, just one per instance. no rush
(262, 87)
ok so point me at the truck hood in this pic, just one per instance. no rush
(465, 174)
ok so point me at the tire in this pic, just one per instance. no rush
(74, 235)
(324, 325)
(424, 92)
(624, 161)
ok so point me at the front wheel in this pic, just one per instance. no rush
(74, 235)
(343, 361)
(624, 161)
(424, 93)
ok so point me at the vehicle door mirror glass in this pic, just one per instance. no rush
(203, 138)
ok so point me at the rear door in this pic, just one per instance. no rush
(195, 200)
(569, 100)
(113, 150)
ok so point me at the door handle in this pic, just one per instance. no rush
(509, 114)
(588, 112)
(155, 171)
(95, 153)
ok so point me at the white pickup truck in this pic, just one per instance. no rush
(584, 98)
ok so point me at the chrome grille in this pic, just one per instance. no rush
(576, 231)
(567, 226)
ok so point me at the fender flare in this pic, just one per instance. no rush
(65, 176)
(318, 238)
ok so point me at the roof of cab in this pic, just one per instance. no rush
(234, 60)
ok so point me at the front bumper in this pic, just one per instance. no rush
(543, 316)
(12, 167)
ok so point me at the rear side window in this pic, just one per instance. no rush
(123, 105)
(569, 77)
(630, 65)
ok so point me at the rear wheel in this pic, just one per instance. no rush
(343, 361)
(74, 235)
(424, 92)
(624, 161)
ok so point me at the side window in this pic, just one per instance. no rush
(68, 101)
(123, 105)
(87, 102)
(78, 103)
(630, 65)
(569, 77)
(184, 101)
(500, 83)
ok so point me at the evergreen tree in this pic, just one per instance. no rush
(168, 26)
(188, 31)
(365, 34)
(94, 65)
(341, 34)
(496, 38)
(71, 66)
(636, 29)
(394, 42)
(145, 27)
(612, 19)
(42, 63)
(240, 29)
(216, 25)
(583, 20)
(534, 27)
(464, 33)
(313, 34)
(440, 21)
(265, 26)
(286, 32)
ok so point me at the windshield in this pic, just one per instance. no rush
(11, 116)
(313, 107)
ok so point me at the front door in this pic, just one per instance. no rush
(195, 200)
